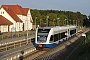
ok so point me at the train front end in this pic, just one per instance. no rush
(41, 37)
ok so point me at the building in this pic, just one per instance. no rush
(18, 18)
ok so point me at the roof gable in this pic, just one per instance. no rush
(4, 21)
(12, 14)
(12, 10)
(26, 10)
(16, 8)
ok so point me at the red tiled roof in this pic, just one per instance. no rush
(12, 14)
(4, 21)
(16, 8)
(26, 10)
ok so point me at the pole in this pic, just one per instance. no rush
(15, 30)
(73, 22)
(76, 22)
(70, 22)
(67, 22)
(57, 21)
(19, 27)
(27, 35)
(40, 22)
(27, 30)
(21, 57)
(35, 21)
(47, 21)
(53, 22)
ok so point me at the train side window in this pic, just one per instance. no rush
(63, 35)
(59, 36)
(55, 37)
(51, 38)
(68, 31)
(75, 31)
(72, 31)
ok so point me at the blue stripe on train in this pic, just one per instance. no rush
(54, 44)
(49, 45)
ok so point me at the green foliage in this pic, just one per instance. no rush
(87, 42)
(54, 14)
(85, 47)
(35, 13)
(89, 17)
(63, 17)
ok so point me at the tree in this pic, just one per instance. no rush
(87, 42)
(89, 17)
(62, 18)
(52, 16)
(35, 13)
(57, 15)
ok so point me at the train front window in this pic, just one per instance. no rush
(41, 38)
(42, 35)
(43, 30)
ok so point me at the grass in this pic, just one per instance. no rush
(81, 52)
(78, 54)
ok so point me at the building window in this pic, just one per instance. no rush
(3, 12)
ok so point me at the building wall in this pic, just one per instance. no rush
(26, 21)
(7, 16)
(29, 14)
(4, 28)
(17, 26)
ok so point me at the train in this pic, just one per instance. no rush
(50, 37)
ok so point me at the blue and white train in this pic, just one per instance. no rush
(50, 37)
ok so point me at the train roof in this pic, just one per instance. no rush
(58, 27)
(44, 27)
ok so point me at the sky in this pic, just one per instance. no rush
(82, 6)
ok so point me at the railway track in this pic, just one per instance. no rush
(12, 45)
(42, 53)
(38, 54)
(48, 54)
(35, 54)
